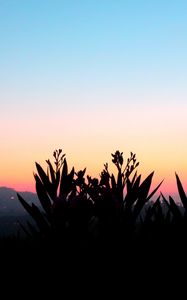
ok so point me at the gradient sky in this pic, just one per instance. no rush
(91, 77)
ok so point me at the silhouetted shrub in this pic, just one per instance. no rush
(79, 209)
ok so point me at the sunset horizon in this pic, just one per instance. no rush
(93, 156)
(168, 187)
(92, 77)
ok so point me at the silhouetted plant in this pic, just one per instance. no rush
(80, 207)
(165, 221)
(176, 218)
(52, 189)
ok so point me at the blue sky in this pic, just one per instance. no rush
(97, 44)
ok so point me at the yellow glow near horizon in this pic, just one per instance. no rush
(155, 133)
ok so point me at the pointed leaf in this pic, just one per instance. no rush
(142, 195)
(46, 182)
(132, 193)
(175, 209)
(52, 172)
(40, 219)
(181, 192)
(145, 187)
(165, 201)
(137, 183)
(42, 195)
(66, 184)
(26, 206)
(43, 176)
(154, 191)
(134, 178)
(65, 169)
(35, 213)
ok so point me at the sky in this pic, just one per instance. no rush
(92, 77)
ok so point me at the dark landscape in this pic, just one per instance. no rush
(12, 212)
(82, 223)
(115, 232)
(97, 77)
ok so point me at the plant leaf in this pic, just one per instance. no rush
(143, 191)
(35, 213)
(154, 191)
(66, 183)
(181, 192)
(52, 172)
(42, 195)
(46, 182)
(175, 209)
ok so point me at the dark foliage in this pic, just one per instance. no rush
(89, 224)
(83, 210)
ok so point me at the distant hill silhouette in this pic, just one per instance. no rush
(11, 210)
(9, 204)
